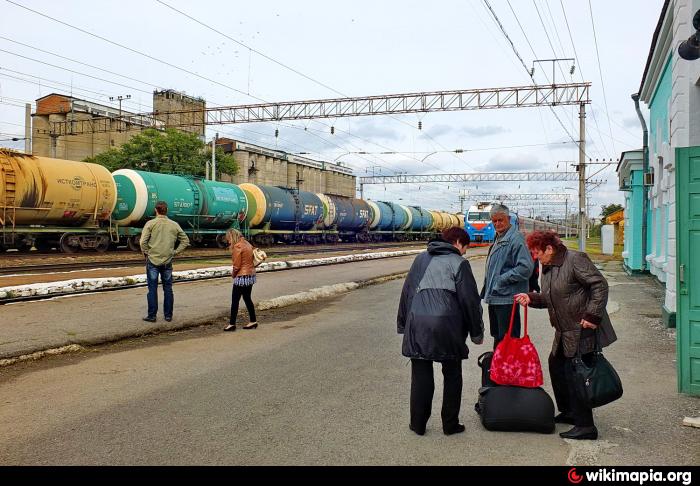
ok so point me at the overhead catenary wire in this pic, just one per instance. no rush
(134, 51)
(296, 71)
(580, 70)
(600, 71)
(493, 13)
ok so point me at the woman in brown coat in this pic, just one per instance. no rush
(243, 273)
(575, 293)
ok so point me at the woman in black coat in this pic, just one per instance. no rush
(440, 307)
(575, 293)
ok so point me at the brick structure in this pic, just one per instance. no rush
(259, 165)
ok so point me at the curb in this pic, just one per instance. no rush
(301, 297)
(276, 303)
(42, 291)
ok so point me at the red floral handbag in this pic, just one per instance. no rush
(515, 361)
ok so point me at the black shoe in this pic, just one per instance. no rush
(459, 428)
(252, 325)
(416, 430)
(563, 418)
(230, 327)
(580, 433)
(169, 318)
(149, 319)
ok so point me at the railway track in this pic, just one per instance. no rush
(138, 260)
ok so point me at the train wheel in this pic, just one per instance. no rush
(134, 243)
(221, 241)
(24, 247)
(102, 246)
(64, 244)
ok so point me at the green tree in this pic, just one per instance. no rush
(607, 210)
(167, 152)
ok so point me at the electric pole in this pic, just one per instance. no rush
(582, 178)
(120, 98)
(213, 156)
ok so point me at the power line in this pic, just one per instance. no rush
(600, 70)
(75, 72)
(578, 62)
(250, 48)
(80, 62)
(527, 70)
(49, 85)
(281, 64)
(556, 31)
(135, 51)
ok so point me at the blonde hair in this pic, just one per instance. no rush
(233, 236)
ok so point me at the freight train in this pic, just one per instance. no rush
(51, 203)
(481, 230)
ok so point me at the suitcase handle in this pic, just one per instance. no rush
(480, 359)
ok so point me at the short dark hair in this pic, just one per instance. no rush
(162, 207)
(539, 240)
(456, 234)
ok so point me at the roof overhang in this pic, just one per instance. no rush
(630, 160)
(661, 46)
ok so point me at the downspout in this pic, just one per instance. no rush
(645, 171)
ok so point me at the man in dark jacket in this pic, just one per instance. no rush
(440, 307)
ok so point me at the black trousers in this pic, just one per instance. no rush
(423, 387)
(499, 320)
(236, 294)
(561, 371)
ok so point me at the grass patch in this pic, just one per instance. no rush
(594, 249)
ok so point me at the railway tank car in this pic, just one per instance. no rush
(281, 214)
(201, 207)
(51, 202)
(350, 217)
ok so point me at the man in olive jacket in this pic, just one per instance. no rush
(439, 308)
(158, 240)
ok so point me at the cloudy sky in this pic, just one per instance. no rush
(309, 49)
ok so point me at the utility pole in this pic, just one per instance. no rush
(582, 178)
(213, 156)
(28, 128)
(566, 218)
(120, 98)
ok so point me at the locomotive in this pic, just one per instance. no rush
(481, 230)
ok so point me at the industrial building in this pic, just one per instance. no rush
(263, 166)
(122, 125)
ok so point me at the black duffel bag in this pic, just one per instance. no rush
(516, 409)
(484, 362)
(596, 383)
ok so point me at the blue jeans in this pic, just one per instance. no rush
(166, 276)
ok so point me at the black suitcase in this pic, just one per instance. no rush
(516, 409)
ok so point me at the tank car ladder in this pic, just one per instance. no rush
(196, 202)
(9, 208)
(297, 213)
